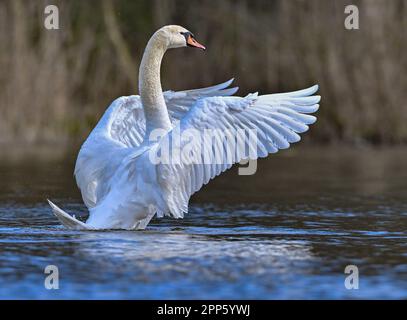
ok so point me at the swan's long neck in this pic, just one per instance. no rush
(155, 109)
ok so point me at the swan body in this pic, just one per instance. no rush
(121, 183)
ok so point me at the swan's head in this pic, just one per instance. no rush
(178, 37)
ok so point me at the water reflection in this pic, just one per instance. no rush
(287, 232)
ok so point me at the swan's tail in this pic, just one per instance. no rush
(67, 220)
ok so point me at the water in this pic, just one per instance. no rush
(287, 232)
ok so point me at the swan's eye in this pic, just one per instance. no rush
(187, 35)
(191, 42)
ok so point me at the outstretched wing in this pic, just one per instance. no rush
(179, 102)
(120, 130)
(218, 135)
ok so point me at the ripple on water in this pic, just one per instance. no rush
(290, 236)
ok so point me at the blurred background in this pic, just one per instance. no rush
(337, 198)
(55, 84)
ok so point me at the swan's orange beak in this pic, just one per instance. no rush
(191, 42)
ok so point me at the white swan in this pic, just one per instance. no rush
(120, 183)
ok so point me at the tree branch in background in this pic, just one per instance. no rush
(127, 63)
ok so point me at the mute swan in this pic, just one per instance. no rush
(121, 183)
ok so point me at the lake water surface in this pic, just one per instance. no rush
(287, 232)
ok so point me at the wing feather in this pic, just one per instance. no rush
(277, 120)
(120, 130)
